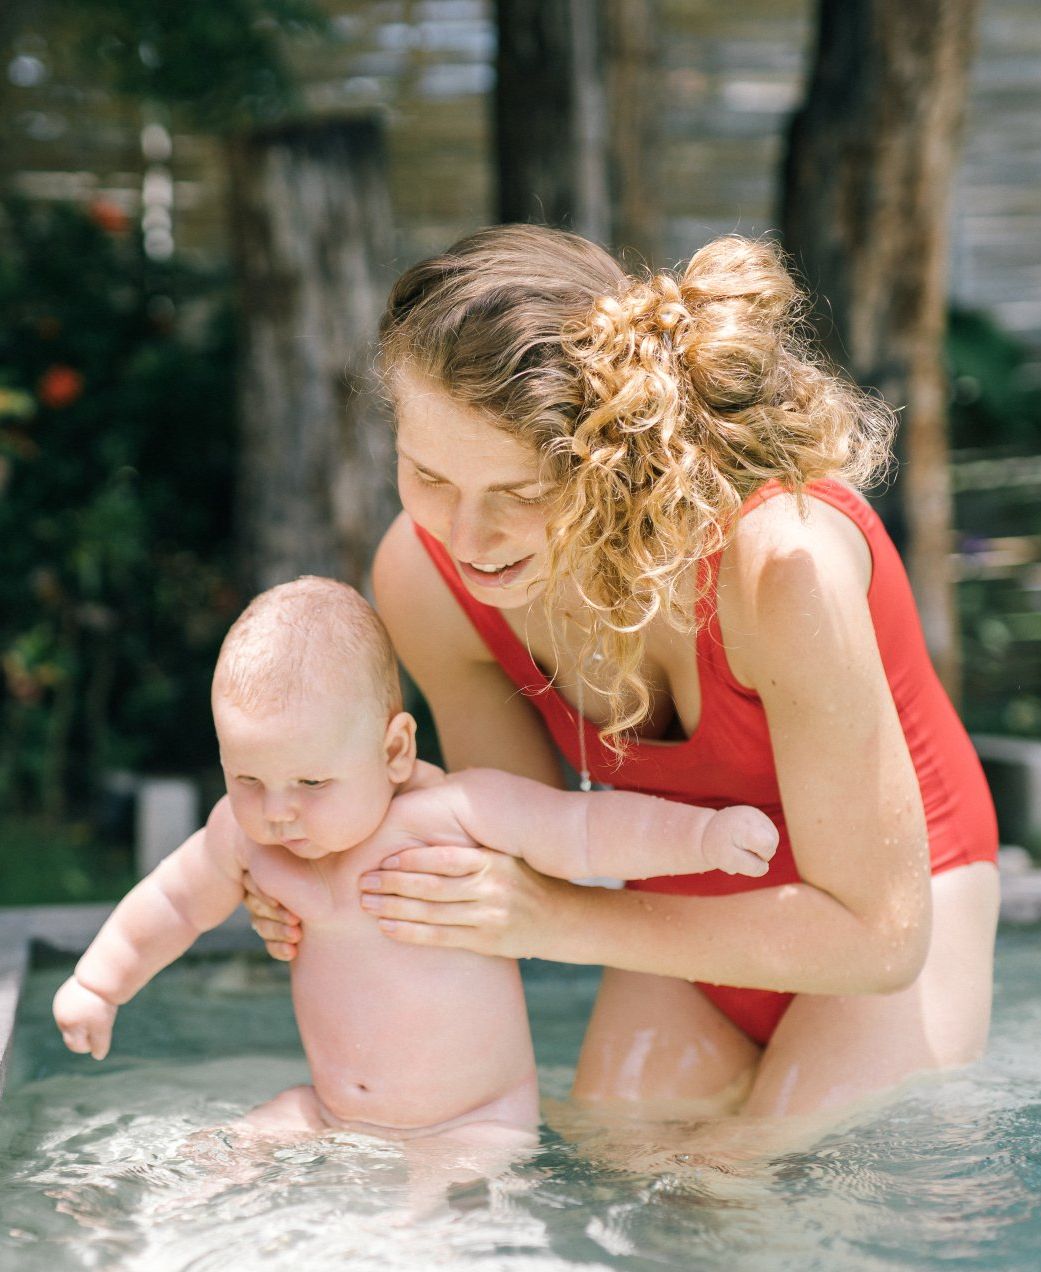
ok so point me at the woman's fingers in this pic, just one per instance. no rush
(272, 930)
(465, 938)
(261, 906)
(448, 914)
(422, 887)
(280, 937)
(463, 898)
(438, 859)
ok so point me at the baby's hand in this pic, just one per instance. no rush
(739, 840)
(84, 1018)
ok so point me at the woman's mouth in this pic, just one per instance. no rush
(490, 574)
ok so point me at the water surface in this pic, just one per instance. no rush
(117, 1165)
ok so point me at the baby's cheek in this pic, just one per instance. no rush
(245, 813)
(365, 815)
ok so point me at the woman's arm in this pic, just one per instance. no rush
(859, 921)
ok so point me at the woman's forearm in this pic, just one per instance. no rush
(794, 938)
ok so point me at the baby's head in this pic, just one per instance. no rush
(307, 707)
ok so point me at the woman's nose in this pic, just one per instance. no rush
(475, 536)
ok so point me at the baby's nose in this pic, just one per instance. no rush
(278, 809)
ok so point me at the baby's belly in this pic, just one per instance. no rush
(400, 1037)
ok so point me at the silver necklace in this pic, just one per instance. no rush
(584, 781)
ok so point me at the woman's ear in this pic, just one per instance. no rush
(399, 746)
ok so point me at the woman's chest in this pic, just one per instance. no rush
(668, 667)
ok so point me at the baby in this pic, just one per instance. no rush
(323, 783)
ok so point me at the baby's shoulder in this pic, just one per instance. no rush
(225, 838)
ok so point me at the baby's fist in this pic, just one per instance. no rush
(84, 1018)
(740, 840)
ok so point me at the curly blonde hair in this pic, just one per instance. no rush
(660, 405)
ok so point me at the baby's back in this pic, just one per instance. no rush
(397, 1035)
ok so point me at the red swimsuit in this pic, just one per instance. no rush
(728, 759)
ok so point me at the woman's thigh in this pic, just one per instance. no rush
(829, 1052)
(657, 1038)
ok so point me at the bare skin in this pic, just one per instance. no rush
(399, 1041)
(891, 969)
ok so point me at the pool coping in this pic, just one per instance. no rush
(69, 929)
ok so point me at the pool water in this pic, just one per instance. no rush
(116, 1165)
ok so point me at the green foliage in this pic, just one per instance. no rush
(115, 500)
(996, 397)
(43, 863)
(220, 65)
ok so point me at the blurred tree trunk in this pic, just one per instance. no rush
(633, 56)
(867, 178)
(310, 218)
(577, 119)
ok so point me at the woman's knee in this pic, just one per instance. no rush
(654, 1038)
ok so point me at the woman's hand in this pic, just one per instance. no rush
(465, 898)
(276, 926)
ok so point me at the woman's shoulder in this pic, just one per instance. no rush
(788, 565)
(416, 603)
(787, 542)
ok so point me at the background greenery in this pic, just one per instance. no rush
(116, 471)
(117, 466)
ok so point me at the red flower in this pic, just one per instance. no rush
(108, 216)
(59, 386)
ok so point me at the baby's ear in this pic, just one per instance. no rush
(399, 746)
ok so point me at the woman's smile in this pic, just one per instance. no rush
(482, 575)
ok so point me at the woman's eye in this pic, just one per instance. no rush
(532, 501)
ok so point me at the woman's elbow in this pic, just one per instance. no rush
(901, 948)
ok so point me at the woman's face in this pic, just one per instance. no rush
(476, 489)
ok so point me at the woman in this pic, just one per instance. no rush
(630, 529)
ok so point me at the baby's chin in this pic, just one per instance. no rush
(305, 849)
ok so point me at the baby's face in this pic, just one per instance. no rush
(315, 777)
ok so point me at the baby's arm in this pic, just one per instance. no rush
(618, 834)
(190, 891)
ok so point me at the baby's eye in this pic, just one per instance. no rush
(314, 784)
(246, 781)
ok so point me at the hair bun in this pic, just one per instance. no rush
(746, 272)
